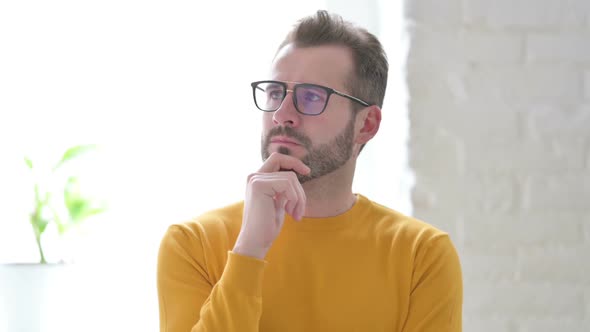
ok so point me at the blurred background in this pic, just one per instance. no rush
(485, 134)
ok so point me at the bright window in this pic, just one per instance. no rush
(163, 88)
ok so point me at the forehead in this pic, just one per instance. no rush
(328, 65)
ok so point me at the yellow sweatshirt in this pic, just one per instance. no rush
(368, 269)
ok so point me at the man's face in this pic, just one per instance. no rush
(324, 142)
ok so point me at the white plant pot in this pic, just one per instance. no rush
(37, 298)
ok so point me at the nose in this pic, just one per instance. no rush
(286, 114)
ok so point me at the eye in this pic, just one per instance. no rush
(311, 96)
(274, 93)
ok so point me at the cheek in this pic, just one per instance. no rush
(330, 128)
(321, 134)
(267, 120)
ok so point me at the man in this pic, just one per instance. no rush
(302, 252)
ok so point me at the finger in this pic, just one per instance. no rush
(296, 205)
(290, 207)
(299, 208)
(287, 188)
(283, 187)
(280, 203)
(278, 161)
(301, 197)
(275, 183)
(280, 218)
(293, 195)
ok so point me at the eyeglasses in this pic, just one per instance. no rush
(309, 99)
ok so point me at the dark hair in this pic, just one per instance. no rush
(369, 79)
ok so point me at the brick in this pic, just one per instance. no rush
(436, 83)
(558, 47)
(507, 233)
(526, 156)
(488, 267)
(587, 84)
(545, 121)
(555, 264)
(496, 122)
(492, 47)
(434, 45)
(517, 300)
(487, 324)
(520, 13)
(423, 199)
(441, 46)
(482, 193)
(552, 325)
(501, 192)
(433, 12)
(538, 84)
(439, 151)
(568, 192)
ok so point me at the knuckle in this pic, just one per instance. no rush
(252, 177)
(292, 176)
(255, 179)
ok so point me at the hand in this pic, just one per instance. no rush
(269, 194)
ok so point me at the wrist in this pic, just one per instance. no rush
(258, 253)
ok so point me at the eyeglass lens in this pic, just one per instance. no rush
(309, 99)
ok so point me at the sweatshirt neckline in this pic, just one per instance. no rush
(342, 220)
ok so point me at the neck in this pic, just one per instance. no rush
(331, 194)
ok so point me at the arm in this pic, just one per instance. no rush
(436, 298)
(189, 299)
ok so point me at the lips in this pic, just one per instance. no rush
(284, 140)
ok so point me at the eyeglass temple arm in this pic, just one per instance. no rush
(360, 101)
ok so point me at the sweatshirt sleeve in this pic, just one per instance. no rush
(189, 300)
(436, 297)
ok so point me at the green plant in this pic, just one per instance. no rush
(63, 203)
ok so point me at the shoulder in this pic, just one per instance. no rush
(217, 226)
(425, 259)
(423, 248)
(414, 235)
(391, 221)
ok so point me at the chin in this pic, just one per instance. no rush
(287, 151)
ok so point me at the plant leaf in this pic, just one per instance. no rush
(79, 207)
(62, 226)
(38, 220)
(74, 152)
(29, 162)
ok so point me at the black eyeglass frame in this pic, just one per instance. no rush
(286, 90)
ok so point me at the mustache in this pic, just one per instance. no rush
(288, 132)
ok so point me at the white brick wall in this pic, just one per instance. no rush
(530, 15)
(559, 47)
(499, 100)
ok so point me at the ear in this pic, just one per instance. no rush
(369, 122)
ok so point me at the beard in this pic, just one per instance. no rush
(322, 159)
